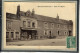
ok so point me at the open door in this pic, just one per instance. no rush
(70, 33)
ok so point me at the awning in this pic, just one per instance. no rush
(28, 29)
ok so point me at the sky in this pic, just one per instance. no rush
(65, 11)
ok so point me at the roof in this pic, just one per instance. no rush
(39, 18)
(11, 16)
(22, 13)
(51, 19)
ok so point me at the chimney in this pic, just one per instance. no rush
(18, 11)
(33, 12)
(57, 16)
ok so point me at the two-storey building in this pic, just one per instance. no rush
(28, 25)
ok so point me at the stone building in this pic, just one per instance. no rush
(28, 25)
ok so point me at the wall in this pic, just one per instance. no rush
(14, 27)
(62, 28)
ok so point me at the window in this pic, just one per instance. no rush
(45, 32)
(46, 25)
(7, 34)
(67, 33)
(17, 35)
(65, 26)
(70, 27)
(24, 23)
(17, 32)
(58, 25)
(70, 33)
(28, 23)
(64, 33)
(40, 36)
(12, 35)
(58, 32)
(8, 25)
(50, 32)
(33, 24)
(52, 25)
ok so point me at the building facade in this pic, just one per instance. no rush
(28, 25)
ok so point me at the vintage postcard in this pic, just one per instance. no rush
(40, 26)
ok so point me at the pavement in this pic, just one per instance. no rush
(43, 42)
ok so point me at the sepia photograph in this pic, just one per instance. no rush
(39, 23)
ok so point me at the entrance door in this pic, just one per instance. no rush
(50, 33)
(70, 33)
(7, 35)
(17, 35)
(32, 34)
(29, 34)
(12, 35)
(24, 35)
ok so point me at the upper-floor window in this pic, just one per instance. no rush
(65, 26)
(8, 25)
(7, 34)
(58, 25)
(33, 24)
(29, 24)
(46, 25)
(24, 23)
(70, 26)
(52, 25)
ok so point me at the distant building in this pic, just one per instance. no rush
(28, 25)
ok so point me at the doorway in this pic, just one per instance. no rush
(70, 33)
(29, 34)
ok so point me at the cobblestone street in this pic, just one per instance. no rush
(43, 42)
